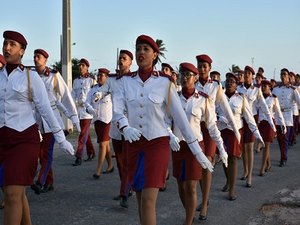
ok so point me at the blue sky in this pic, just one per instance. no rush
(263, 32)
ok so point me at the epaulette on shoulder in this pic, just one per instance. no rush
(203, 94)
(161, 74)
(292, 87)
(131, 74)
(256, 85)
(196, 95)
(113, 75)
(54, 70)
(275, 96)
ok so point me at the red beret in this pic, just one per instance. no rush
(13, 35)
(188, 67)
(144, 39)
(215, 72)
(249, 68)
(266, 82)
(229, 74)
(127, 53)
(103, 70)
(167, 65)
(262, 69)
(42, 52)
(292, 74)
(260, 75)
(204, 58)
(2, 59)
(84, 61)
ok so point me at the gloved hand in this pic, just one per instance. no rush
(97, 96)
(75, 121)
(174, 141)
(91, 111)
(258, 136)
(131, 134)
(223, 155)
(238, 136)
(283, 129)
(201, 158)
(67, 147)
(273, 126)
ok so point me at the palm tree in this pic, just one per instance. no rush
(234, 68)
(162, 49)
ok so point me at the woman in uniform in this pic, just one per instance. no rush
(21, 90)
(101, 109)
(265, 128)
(146, 96)
(240, 109)
(186, 169)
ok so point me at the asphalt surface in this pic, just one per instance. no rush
(78, 199)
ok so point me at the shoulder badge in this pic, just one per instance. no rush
(203, 94)
(196, 95)
(275, 96)
(292, 87)
(113, 75)
(216, 81)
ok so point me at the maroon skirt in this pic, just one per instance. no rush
(266, 131)
(232, 146)
(248, 136)
(102, 131)
(19, 153)
(148, 163)
(210, 145)
(185, 165)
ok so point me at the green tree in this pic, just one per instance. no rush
(75, 67)
(234, 68)
(162, 49)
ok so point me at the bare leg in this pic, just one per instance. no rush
(181, 191)
(250, 162)
(232, 174)
(148, 206)
(107, 155)
(26, 220)
(245, 160)
(13, 210)
(101, 157)
(190, 196)
(206, 183)
(139, 199)
(265, 157)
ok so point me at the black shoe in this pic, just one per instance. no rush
(77, 162)
(202, 217)
(109, 171)
(47, 188)
(37, 187)
(232, 198)
(163, 188)
(282, 163)
(96, 176)
(117, 198)
(200, 206)
(243, 178)
(90, 157)
(225, 188)
(248, 185)
(123, 202)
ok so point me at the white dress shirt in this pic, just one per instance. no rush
(146, 104)
(16, 109)
(81, 87)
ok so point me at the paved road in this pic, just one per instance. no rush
(78, 199)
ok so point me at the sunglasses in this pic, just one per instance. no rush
(187, 74)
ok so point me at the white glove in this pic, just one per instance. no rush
(91, 111)
(238, 136)
(75, 121)
(259, 138)
(67, 147)
(201, 158)
(283, 129)
(223, 155)
(97, 96)
(131, 134)
(174, 141)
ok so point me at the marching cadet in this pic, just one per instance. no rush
(58, 94)
(286, 95)
(215, 75)
(81, 87)
(216, 95)
(119, 145)
(240, 76)
(274, 84)
(255, 100)
(167, 69)
(20, 90)
(241, 109)
(2, 64)
(293, 134)
(101, 109)
(265, 129)
(186, 169)
(146, 96)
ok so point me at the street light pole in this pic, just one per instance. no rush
(66, 51)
